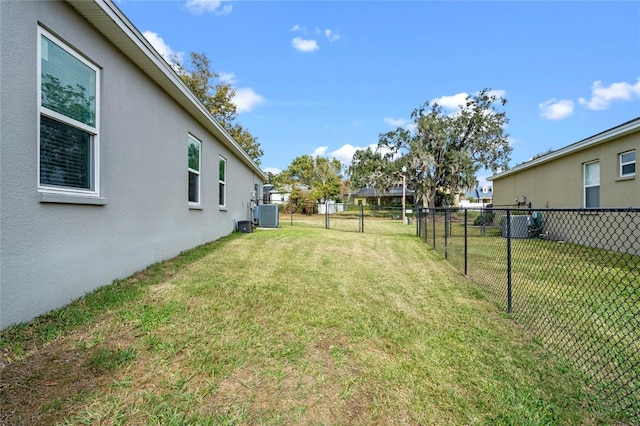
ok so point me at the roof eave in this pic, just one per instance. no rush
(105, 16)
(628, 127)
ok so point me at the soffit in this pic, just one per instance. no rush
(116, 27)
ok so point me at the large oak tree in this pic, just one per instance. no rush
(445, 151)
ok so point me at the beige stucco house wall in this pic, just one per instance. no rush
(557, 180)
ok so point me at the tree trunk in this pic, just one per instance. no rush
(432, 197)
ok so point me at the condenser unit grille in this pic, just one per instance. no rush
(268, 216)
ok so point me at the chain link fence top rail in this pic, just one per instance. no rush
(571, 277)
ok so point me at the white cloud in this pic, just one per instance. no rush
(345, 154)
(382, 150)
(601, 97)
(303, 45)
(331, 35)
(163, 48)
(401, 122)
(273, 170)
(554, 109)
(199, 7)
(246, 99)
(396, 122)
(296, 27)
(320, 151)
(451, 102)
(226, 9)
(227, 77)
(498, 93)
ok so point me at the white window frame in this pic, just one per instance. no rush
(627, 163)
(93, 131)
(222, 183)
(591, 185)
(191, 138)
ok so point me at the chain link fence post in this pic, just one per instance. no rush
(508, 227)
(447, 218)
(433, 231)
(326, 215)
(465, 240)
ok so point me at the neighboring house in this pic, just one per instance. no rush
(477, 197)
(271, 195)
(597, 172)
(371, 196)
(330, 207)
(600, 171)
(108, 163)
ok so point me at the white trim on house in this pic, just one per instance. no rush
(196, 172)
(613, 133)
(591, 180)
(105, 16)
(624, 163)
(222, 183)
(93, 130)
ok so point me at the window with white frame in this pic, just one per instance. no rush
(68, 119)
(194, 156)
(592, 184)
(222, 182)
(628, 163)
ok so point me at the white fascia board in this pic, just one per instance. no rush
(105, 16)
(608, 135)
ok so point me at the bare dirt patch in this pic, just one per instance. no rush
(318, 390)
(41, 387)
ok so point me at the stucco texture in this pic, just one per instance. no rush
(54, 252)
(560, 183)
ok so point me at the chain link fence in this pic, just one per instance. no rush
(355, 218)
(571, 277)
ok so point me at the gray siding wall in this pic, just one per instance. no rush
(52, 253)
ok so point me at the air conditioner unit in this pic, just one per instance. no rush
(267, 215)
(519, 226)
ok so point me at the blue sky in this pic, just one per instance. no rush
(327, 77)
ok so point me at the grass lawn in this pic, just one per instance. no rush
(297, 325)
